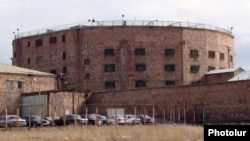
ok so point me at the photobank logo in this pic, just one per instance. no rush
(221, 132)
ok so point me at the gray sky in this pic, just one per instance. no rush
(29, 15)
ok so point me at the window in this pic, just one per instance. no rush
(170, 67)
(87, 76)
(39, 42)
(109, 52)
(28, 44)
(109, 68)
(19, 84)
(169, 52)
(64, 69)
(211, 54)
(140, 83)
(39, 59)
(211, 68)
(87, 45)
(170, 83)
(222, 56)
(231, 58)
(109, 84)
(140, 67)
(195, 69)
(64, 56)
(140, 51)
(194, 54)
(52, 40)
(28, 60)
(9, 84)
(52, 57)
(53, 71)
(86, 61)
(63, 38)
(14, 54)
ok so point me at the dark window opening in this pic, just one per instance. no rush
(170, 83)
(170, 68)
(211, 54)
(39, 42)
(140, 51)
(222, 56)
(195, 69)
(39, 59)
(28, 44)
(231, 58)
(169, 52)
(140, 67)
(109, 68)
(109, 84)
(19, 84)
(64, 69)
(64, 55)
(63, 38)
(87, 76)
(140, 83)
(109, 52)
(28, 60)
(14, 54)
(86, 61)
(52, 40)
(194, 53)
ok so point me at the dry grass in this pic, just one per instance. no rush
(106, 133)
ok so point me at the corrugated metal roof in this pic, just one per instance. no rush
(4, 68)
(225, 70)
(242, 76)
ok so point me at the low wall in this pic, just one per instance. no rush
(213, 103)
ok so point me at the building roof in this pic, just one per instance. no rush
(225, 70)
(4, 68)
(242, 76)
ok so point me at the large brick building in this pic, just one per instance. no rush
(126, 54)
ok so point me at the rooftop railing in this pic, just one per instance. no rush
(93, 23)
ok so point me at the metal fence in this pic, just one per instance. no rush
(94, 23)
(161, 113)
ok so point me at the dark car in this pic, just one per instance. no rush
(35, 120)
(70, 119)
(145, 119)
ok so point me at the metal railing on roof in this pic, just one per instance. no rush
(93, 23)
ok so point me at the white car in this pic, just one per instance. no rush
(118, 119)
(132, 119)
(12, 121)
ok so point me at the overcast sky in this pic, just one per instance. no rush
(29, 15)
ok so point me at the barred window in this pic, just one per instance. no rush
(211, 54)
(140, 51)
(109, 68)
(195, 69)
(170, 67)
(52, 40)
(140, 67)
(222, 56)
(194, 53)
(109, 52)
(170, 83)
(39, 42)
(19, 84)
(169, 52)
(109, 84)
(140, 83)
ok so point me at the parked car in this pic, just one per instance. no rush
(49, 119)
(146, 119)
(95, 119)
(71, 119)
(116, 119)
(132, 119)
(12, 121)
(35, 120)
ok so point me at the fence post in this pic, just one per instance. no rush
(17, 114)
(184, 113)
(86, 114)
(5, 119)
(154, 114)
